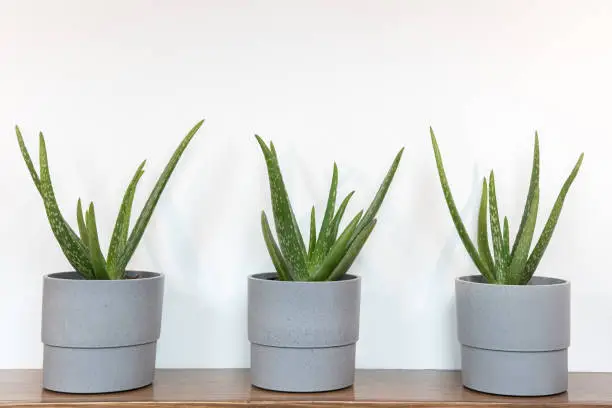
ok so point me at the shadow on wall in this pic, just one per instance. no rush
(196, 318)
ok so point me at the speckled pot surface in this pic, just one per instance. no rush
(303, 334)
(514, 338)
(100, 336)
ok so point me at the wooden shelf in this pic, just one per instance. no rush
(231, 388)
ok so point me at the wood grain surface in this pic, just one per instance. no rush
(231, 388)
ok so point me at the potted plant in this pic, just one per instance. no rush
(514, 328)
(303, 319)
(101, 321)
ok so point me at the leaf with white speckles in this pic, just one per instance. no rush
(149, 207)
(448, 196)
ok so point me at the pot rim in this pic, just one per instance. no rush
(264, 277)
(554, 282)
(54, 277)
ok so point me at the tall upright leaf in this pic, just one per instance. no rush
(95, 253)
(325, 233)
(538, 251)
(465, 238)
(534, 184)
(122, 226)
(496, 234)
(312, 242)
(147, 211)
(289, 236)
(483, 236)
(506, 236)
(521, 254)
(81, 223)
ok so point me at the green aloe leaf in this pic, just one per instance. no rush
(313, 233)
(289, 236)
(282, 269)
(483, 228)
(293, 219)
(496, 234)
(351, 254)
(467, 242)
(337, 251)
(82, 227)
(73, 248)
(325, 240)
(95, 253)
(147, 211)
(380, 195)
(339, 214)
(28, 159)
(506, 237)
(521, 254)
(534, 184)
(122, 226)
(538, 251)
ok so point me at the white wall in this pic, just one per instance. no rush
(114, 82)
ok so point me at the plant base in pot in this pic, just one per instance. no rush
(514, 338)
(303, 334)
(100, 335)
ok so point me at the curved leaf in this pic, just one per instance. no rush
(73, 248)
(467, 242)
(147, 211)
(380, 194)
(339, 215)
(282, 269)
(351, 254)
(28, 159)
(289, 236)
(538, 251)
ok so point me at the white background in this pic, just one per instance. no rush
(113, 82)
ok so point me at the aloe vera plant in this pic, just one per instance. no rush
(83, 250)
(509, 264)
(330, 253)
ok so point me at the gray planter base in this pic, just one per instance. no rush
(79, 370)
(100, 336)
(320, 369)
(303, 334)
(514, 338)
(514, 373)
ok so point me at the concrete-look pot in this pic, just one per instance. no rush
(514, 338)
(303, 334)
(100, 335)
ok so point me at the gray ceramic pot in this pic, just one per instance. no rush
(100, 336)
(514, 338)
(303, 334)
